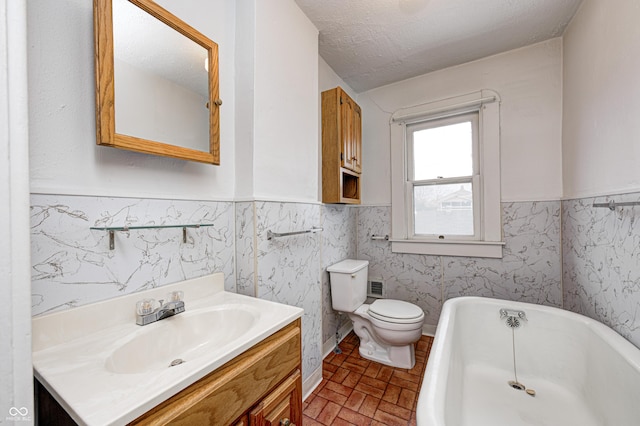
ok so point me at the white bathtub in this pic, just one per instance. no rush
(583, 373)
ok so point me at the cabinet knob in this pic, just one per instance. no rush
(286, 422)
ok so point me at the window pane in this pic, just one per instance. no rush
(445, 151)
(443, 209)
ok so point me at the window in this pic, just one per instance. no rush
(446, 177)
(443, 177)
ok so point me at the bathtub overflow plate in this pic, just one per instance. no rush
(175, 362)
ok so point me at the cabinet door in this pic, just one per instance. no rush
(347, 115)
(356, 139)
(283, 406)
(351, 134)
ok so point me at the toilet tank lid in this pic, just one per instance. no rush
(348, 266)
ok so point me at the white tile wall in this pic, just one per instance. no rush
(338, 243)
(72, 265)
(529, 270)
(412, 278)
(288, 269)
(245, 249)
(601, 263)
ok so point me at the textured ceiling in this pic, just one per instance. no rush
(370, 43)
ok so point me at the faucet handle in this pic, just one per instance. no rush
(175, 296)
(145, 306)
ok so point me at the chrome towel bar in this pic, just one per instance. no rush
(612, 204)
(272, 235)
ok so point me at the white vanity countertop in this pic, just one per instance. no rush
(71, 349)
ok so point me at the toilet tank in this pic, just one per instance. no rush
(348, 284)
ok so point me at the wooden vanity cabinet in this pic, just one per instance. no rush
(341, 147)
(262, 386)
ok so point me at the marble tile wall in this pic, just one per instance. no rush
(285, 269)
(409, 277)
(338, 242)
(529, 271)
(72, 265)
(245, 248)
(598, 257)
(601, 263)
(288, 269)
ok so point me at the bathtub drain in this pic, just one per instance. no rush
(516, 385)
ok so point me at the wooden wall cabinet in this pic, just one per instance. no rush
(341, 147)
(261, 386)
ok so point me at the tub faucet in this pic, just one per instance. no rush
(148, 311)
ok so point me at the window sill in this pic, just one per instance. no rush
(491, 249)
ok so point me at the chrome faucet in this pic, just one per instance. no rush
(148, 310)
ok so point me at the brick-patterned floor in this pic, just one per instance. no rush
(355, 391)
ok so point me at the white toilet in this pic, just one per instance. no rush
(387, 328)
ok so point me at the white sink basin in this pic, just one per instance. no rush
(106, 371)
(181, 338)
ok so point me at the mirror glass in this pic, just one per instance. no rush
(161, 84)
(156, 82)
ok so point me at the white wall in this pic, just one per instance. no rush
(16, 388)
(64, 156)
(285, 109)
(601, 125)
(328, 79)
(529, 82)
(244, 74)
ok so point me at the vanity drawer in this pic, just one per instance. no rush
(230, 391)
(281, 406)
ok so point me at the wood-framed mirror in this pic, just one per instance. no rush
(156, 82)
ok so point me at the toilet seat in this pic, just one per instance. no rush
(395, 311)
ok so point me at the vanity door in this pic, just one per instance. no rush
(282, 406)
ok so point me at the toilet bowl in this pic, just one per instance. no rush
(387, 328)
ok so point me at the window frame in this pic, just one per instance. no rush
(489, 240)
(473, 178)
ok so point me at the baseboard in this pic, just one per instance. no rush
(428, 330)
(328, 346)
(311, 383)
